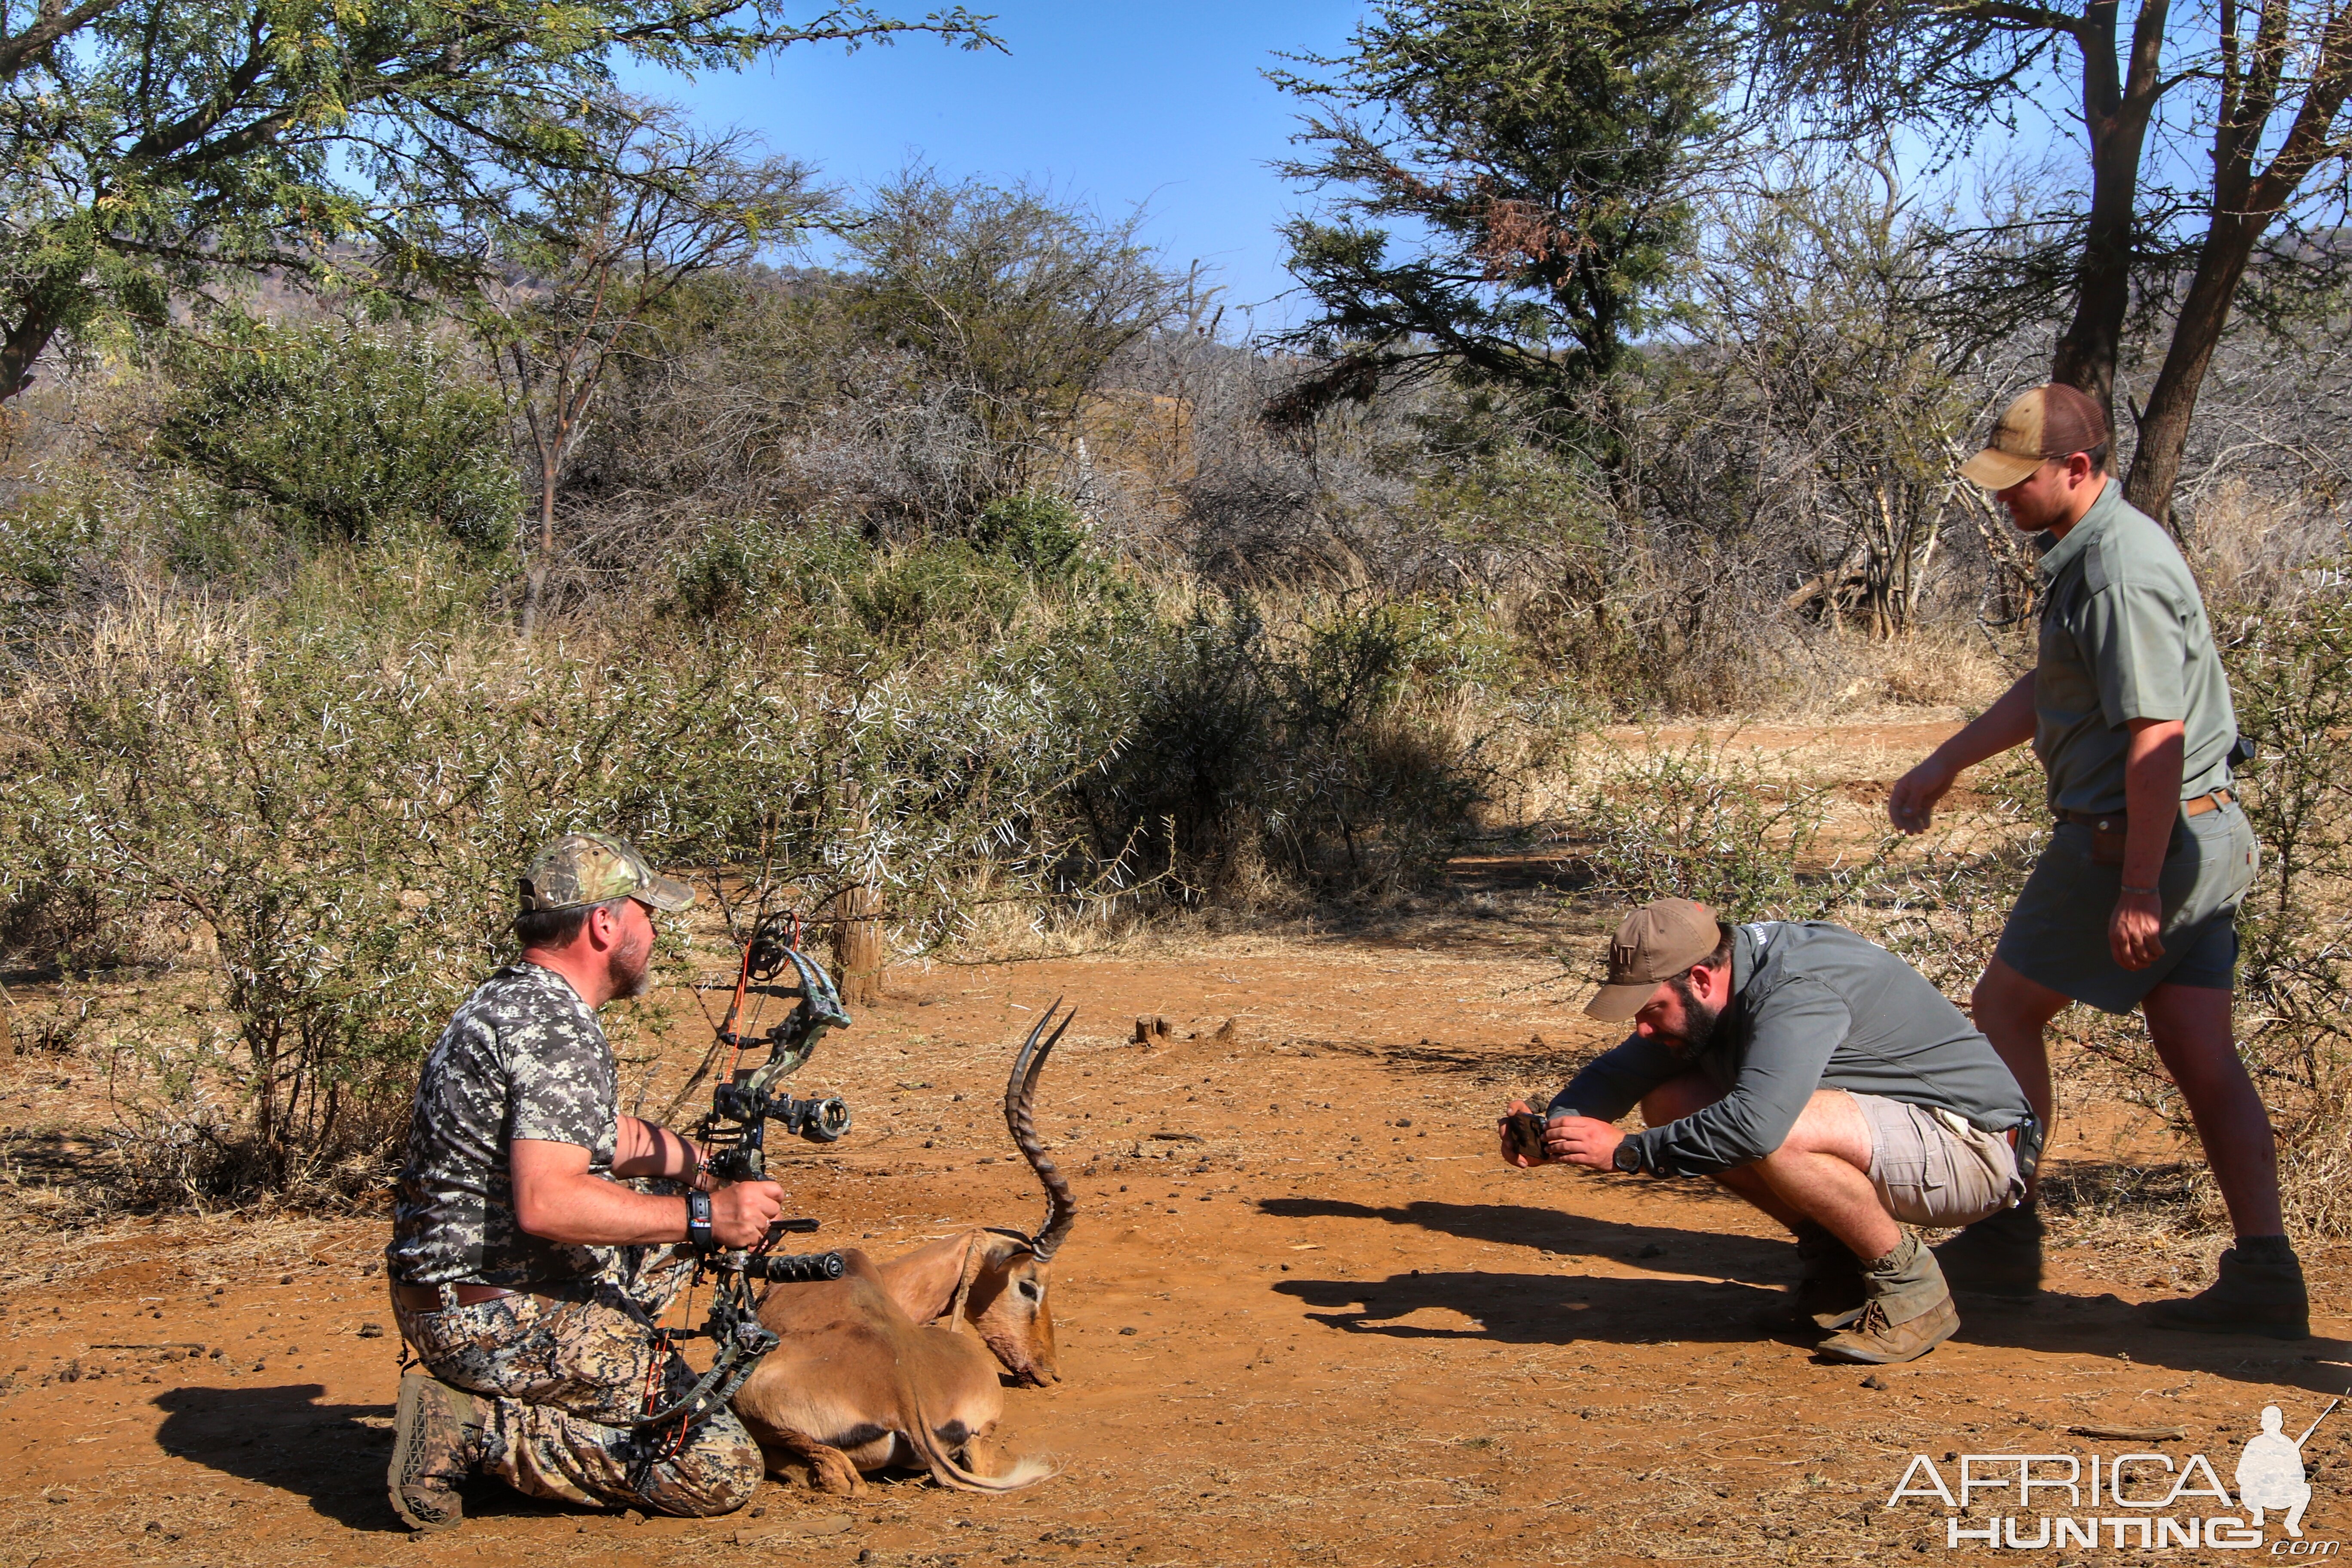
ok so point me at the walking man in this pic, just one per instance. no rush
(2134, 903)
(1822, 1078)
(525, 1275)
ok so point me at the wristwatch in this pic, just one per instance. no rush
(697, 1220)
(1628, 1157)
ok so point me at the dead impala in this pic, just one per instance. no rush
(898, 1365)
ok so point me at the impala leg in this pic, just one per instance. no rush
(980, 1455)
(829, 1469)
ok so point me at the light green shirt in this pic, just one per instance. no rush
(2124, 637)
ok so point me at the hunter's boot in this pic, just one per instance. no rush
(2257, 1289)
(1908, 1313)
(436, 1443)
(2000, 1255)
(1830, 1292)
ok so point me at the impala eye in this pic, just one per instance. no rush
(1029, 1288)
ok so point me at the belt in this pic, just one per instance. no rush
(2112, 821)
(441, 1297)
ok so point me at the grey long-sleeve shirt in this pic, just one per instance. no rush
(1813, 1006)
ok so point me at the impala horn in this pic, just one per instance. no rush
(1020, 1100)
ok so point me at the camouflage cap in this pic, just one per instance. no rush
(583, 869)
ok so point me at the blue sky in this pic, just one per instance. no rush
(1111, 102)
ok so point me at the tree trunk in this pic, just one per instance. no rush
(2117, 103)
(2164, 427)
(534, 577)
(24, 343)
(859, 955)
(2243, 205)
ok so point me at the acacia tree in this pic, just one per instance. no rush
(1826, 369)
(1010, 305)
(1540, 150)
(573, 268)
(2203, 130)
(156, 147)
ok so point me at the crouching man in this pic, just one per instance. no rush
(1822, 1079)
(529, 1280)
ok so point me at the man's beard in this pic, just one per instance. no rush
(630, 971)
(1700, 1022)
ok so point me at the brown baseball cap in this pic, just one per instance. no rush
(2051, 420)
(1654, 944)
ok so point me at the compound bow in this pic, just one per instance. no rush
(733, 1137)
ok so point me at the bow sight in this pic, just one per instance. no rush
(733, 1137)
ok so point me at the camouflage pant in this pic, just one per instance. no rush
(564, 1379)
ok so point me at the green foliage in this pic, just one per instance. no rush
(2292, 673)
(344, 434)
(1544, 150)
(1697, 821)
(1009, 305)
(1317, 753)
(157, 146)
(1044, 533)
(1824, 310)
(937, 591)
(929, 587)
(1940, 904)
(755, 568)
(338, 784)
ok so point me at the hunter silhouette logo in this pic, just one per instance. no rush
(2145, 1500)
(2270, 1470)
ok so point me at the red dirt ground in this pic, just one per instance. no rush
(1306, 1316)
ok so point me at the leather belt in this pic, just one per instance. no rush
(2114, 821)
(441, 1297)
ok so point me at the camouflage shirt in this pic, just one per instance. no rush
(523, 1058)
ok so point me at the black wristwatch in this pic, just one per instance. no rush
(697, 1220)
(1628, 1157)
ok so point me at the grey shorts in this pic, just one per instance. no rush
(2057, 934)
(1931, 1168)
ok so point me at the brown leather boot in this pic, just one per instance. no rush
(2000, 1255)
(2257, 1289)
(437, 1441)
(1909, 1311)
(1830, 1292)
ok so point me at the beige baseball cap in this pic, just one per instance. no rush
(1654, 944)
(2048, 422)
(583, 869)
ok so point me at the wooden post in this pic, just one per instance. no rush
(858, 956)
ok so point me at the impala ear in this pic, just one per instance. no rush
(975, 1259)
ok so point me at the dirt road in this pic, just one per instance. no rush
(1306, 1317)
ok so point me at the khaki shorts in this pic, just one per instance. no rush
(1931, 1168)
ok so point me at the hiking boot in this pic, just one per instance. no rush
(2257, 1289)
(1909, 1311)
(1830, 1292)
(2000, 1255)
(436, 1440)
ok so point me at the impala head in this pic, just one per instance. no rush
(1006, 1277)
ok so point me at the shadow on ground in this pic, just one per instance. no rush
(282, 1437)
(1740, 1299)
(1544, 1309)
(332, 1455)
(1669, 1249)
